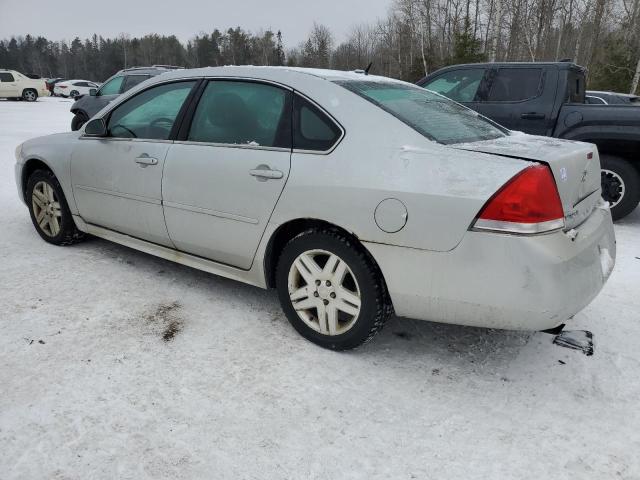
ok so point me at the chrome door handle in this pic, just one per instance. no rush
(264, 173)
(143, 161)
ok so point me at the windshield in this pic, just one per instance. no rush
(432, 115)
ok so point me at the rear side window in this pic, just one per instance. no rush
(6, 77)
(313, 129)
(516, 84)
(243, 113)
(112, 87)
(459, 85)
(133, 80)
(576, 88)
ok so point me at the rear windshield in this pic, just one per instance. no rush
(434, 116)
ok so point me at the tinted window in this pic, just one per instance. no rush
(242, 113)
(458, 85)
(312, 130)
(432, 115)
(6, 77)
(112, 87)
(150, 114)
(515, 84)
(575, 87)
(133, 80)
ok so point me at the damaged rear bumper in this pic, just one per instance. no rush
(502, 281)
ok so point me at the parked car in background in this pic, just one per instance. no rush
(595, 97)
(73, 88)
(549, 99)
(15, 85)
(352, 195)
(87, 106)
(51, 82)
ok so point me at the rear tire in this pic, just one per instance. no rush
(49, 210)
(79, 119)
(29, 95)
(620, 185)
(343, 287)
(73, 93)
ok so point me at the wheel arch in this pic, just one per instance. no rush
(294, 227)
(28, 168)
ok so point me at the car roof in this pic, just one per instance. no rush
(560, 65)
(152, 70)
(276, 73)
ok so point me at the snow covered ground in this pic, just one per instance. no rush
(90, 389)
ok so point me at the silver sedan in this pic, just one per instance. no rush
(353, 195)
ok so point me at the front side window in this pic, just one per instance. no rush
(6, 77)
(432, 115)
(459, 85)
(516, 84)
(112, 87)
(242, 113)
(150, 114)
(133, 80)
(313, 130)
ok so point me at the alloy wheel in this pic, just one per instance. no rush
(46, 208)
(29, 96)
(324, 292)
(613, 188)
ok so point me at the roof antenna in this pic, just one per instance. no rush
(366, 70)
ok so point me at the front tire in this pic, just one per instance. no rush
(79, 119)
(620, 185)
(331, 291)
(29, 95)
(49, 210)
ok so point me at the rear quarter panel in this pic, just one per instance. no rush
(380, 157)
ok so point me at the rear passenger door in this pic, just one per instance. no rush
(517, 98)
(224, 174)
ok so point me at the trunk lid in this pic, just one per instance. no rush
(575, 167)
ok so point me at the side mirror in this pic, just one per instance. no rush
(93, 91)
(96, 128)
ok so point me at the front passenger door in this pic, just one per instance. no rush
(222, 181)
(117, 179)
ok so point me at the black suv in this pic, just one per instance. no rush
(549, 99)
(87, 106)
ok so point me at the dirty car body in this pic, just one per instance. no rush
(409, 195)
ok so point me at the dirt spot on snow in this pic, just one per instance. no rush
(172, 329)
(403, 335)
(166, 320)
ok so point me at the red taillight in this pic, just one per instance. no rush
(528, 203)
(62, 86)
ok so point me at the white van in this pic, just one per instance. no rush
(16, 85)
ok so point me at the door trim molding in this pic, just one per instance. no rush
(213, 213)
(113, 193)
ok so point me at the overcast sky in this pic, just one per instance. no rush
(58, 19)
